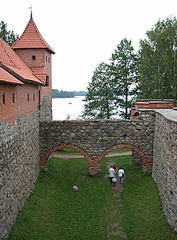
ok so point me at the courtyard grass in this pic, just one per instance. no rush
(54, 211)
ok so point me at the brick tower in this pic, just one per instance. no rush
(37, 54)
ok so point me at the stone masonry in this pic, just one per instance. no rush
(165, 162)
(19, 167)
(27, 145)
(94, 139)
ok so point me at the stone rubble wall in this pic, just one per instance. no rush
(29, 142)
(165, 166)
(45, 113)
(19, 167)
(19, 163)
(95, 138)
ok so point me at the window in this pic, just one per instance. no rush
(34, 97)
(28, 97)
(3, 98)
(46, 58)
(47, 81)
(33, 57)
(13, 97)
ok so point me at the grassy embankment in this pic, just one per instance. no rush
(97, 211)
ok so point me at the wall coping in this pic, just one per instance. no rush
(169, 114)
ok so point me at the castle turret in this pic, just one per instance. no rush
(37, 54)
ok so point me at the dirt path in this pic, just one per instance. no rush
(78, 155)
(114, 229)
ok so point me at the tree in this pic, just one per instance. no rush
(8, 36)
(158, 61)
(100, 96)
(125, 76)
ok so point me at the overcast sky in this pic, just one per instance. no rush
(83, 33)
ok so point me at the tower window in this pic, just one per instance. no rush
(13, 97)
(47, 81)
(3, 98)
(34, 97)
(28, 97)
(46, 58)
(33, 57)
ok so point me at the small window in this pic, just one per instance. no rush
(33, 57)
(3, 98)
(28, 97)
(13, 97)
(47, 81)
(46, 58)
(49, 60)
(34, 97)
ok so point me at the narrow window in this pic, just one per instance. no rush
(46, 58)
(13, 97)
(33, 57)
(3, 98)
(49, 60)
(47, 81)
(28, 97)
(33, 96)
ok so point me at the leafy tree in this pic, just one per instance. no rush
(125, 76)
(100, 96)
(158, 63)
(8, 36)
(113, 84)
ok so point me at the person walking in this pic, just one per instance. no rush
(114, 166)
(111, 172)
(121, 174)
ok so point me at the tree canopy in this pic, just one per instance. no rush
(8, 36)
(113, 84)
(158, 63)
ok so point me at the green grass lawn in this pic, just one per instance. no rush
(95, 212)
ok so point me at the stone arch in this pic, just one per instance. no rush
(44, 156)
(147, 160)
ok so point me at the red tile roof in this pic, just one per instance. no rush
(6, 77)
(31, 38)
(39, 73)
(14, 65)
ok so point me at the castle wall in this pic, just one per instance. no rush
(165, 164)
(95, 138)
(19, 167)
(16, 100)
(19, 163)
(29, 142)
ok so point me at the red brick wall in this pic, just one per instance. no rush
(25, 101)
(42, 59)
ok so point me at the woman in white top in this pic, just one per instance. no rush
(121, 175)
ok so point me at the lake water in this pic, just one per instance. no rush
(70, 108)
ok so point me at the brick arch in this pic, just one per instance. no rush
(133, 148)
(147, 160)
(46, 155)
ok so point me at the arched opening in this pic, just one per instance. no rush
(135, 156)
(68, 159)
(52, 152)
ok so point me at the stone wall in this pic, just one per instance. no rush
(165, 162)
(19, 163)
(45, 113)
(19, 167)
(95, 138)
